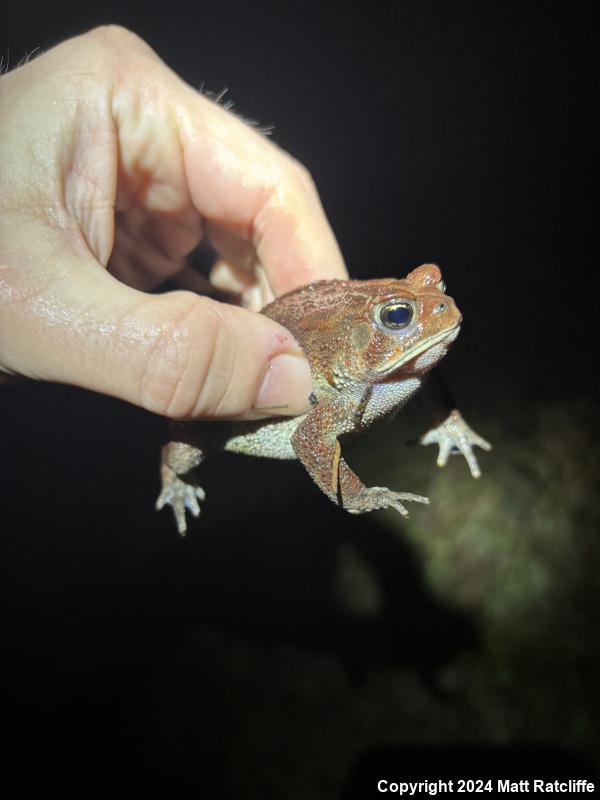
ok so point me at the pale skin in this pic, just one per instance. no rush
(112, 170)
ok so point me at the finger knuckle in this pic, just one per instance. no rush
(303, 175)
(115, 40)
(223, 389)
(112, 33)
(192, 367)
(178, 360)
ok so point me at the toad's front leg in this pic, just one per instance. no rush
(453, 436)
(451, 433)
(316, 444)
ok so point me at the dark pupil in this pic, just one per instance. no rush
(397, 316)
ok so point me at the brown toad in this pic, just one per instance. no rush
(369, 344)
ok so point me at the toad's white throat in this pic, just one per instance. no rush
(445, 337)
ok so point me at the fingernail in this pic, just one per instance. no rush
(285, 388)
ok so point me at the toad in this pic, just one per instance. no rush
(369, 344)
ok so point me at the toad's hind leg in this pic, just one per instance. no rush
(177, 459)
(358, 498)
(316, 444)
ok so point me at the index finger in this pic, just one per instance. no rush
(246, 184)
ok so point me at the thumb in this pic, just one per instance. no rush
(177, 354)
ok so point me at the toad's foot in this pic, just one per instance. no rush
(180, 496)
(454, 436)
(374, 497)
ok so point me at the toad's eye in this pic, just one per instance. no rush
(396, 315)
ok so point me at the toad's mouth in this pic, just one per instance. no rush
(421, 347)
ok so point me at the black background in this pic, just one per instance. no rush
(454, 133)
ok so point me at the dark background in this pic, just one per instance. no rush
(459, 134)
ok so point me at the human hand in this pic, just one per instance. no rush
(112, 169)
